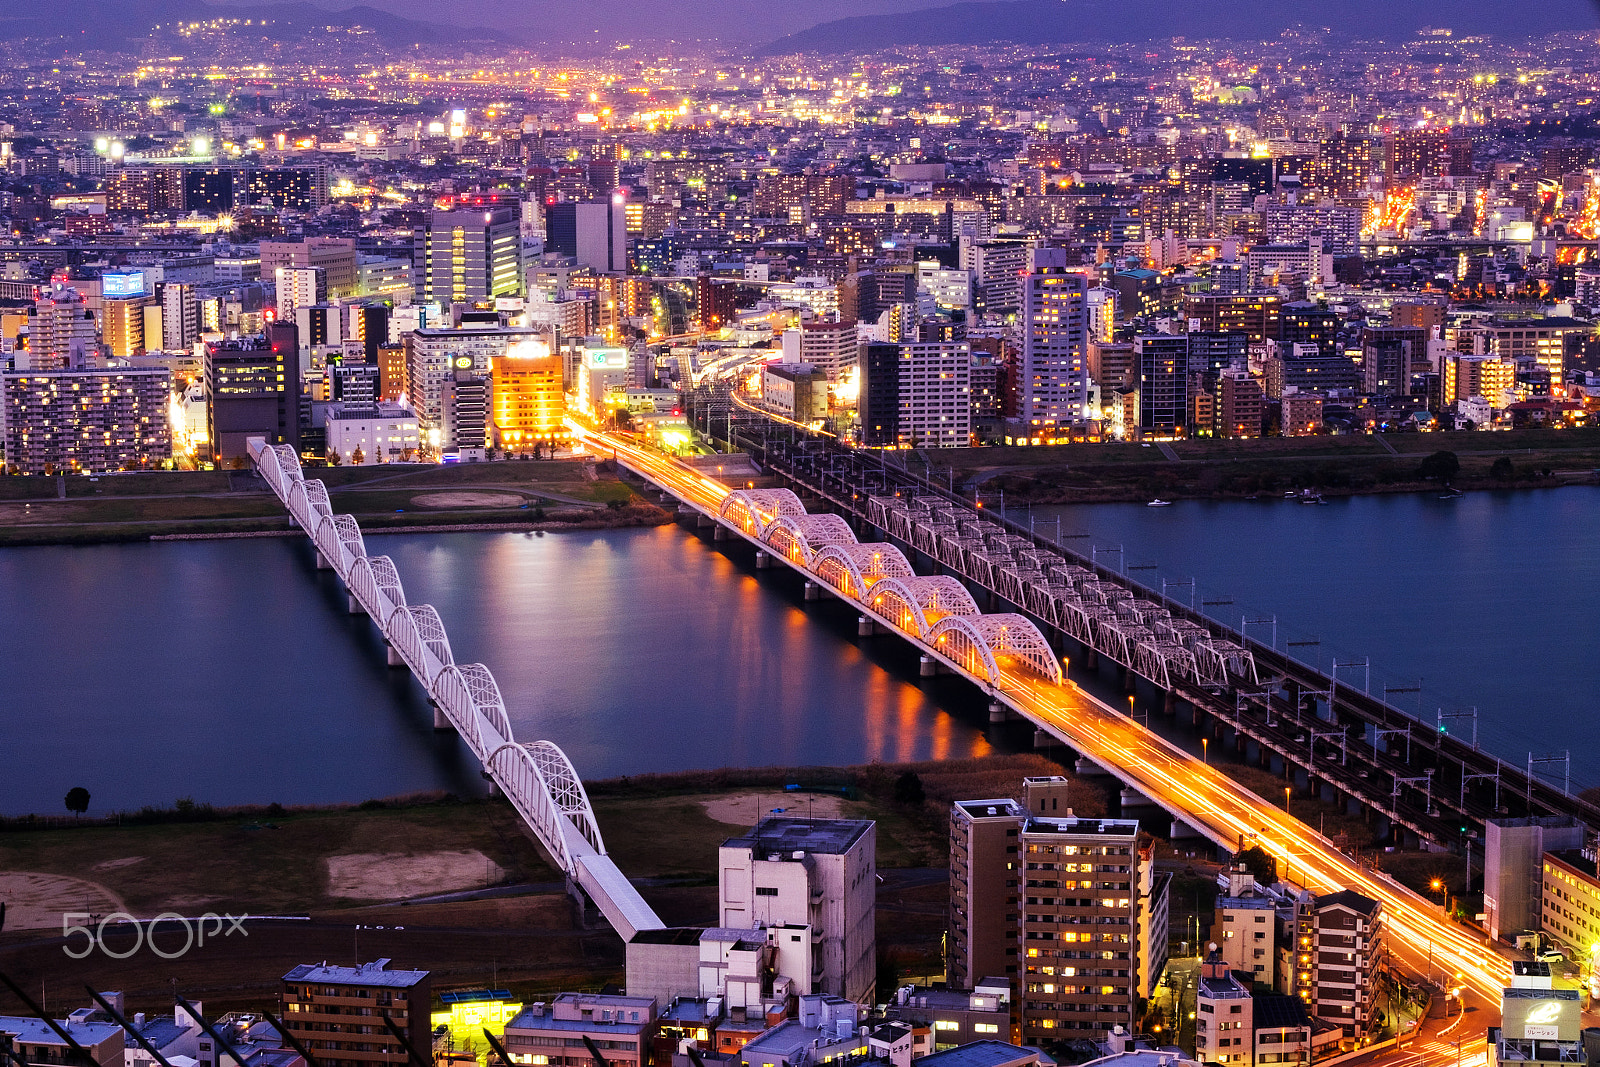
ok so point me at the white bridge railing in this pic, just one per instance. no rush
(535, 776)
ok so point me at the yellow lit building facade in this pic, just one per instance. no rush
(529, 406)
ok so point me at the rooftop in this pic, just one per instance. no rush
(374, 974)
(1097, 827)
(982, 1054)
(788, 836)
(1273, 1011)
(1004, 807)
(30, 1031)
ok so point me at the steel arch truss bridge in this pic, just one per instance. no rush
(535, 776)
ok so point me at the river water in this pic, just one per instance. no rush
(227, 671)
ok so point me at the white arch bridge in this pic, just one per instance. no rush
(535, 776)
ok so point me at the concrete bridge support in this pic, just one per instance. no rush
(813, 591)
(392, 656)
(441, 721)
(353, 606)
(763, 560)
(928, 667)
(865, 627)
(322, 562)
(720, 533)
(1044, 739)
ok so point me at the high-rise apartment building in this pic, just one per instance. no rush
(1344, 166)
(434, 354)
(1257, 314)
(86, 420)
(299, 287)
(338, 1013)
(467, 256)
(252, 389)
(983, 891)
(180, 317)
(916, 395)
(61, 331)
(1164, 383)
(1078, 920)
(1335, 952)
(817, 880)
(1241, 405)
(1053, 375)
(466, 418)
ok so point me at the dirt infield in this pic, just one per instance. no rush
(468, 499)
(377, 876)
(37, 901)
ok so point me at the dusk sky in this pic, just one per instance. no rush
(761, 20)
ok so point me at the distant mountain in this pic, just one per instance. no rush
(108, 24)
(1064, 21)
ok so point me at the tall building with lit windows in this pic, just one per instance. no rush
(1053, 383)
(85, 420)
(1078, 911)
(529, 405)
(468, 256)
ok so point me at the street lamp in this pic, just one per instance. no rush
(1205, 750)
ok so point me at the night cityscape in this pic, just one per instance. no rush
(1010, 534)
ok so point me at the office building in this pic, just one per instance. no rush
(1389, 356)
(593, 233)
(468, 256)
(434, 354)
(354, 384)
(916, 395)
(529, 402)
(817, 880)
(1569, 909)
(252, 390)
(831, 347)
(319, 1002)
(1513, 855)
(336, 256)
(1053, 373)
(86, 420)
(976, 1011)
(1078, 920)
(983, 927)
(361, 434)
(561, 1033)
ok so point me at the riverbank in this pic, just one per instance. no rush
(456, 886)
(1118, 472)
(506, 495)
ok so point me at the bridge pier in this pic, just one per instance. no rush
(813, 591)
(1043, 738)
(1169, 703)
(702, 520)
(763, 560)
(392, 656)
(322, 562)
(929, 666)
(353, 606)
(441, 721)
(865, 627)
(720, 533)
(998, 712)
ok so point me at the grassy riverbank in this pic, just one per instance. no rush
(383, 866)
(133, 507)
(1205, 468)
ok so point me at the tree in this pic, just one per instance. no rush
(908, 789)
(77, 800)
(1439, 467)
(1259, 864)
(1502, 469)
(358, 457)
(333, 457)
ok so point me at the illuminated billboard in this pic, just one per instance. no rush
(119, 284)
(1542, 1014)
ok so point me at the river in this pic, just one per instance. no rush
(228, 671)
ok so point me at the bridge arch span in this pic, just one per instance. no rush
(975, 641)
(753, 509)
(911, 602)
(854, 568)
(799, 537)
